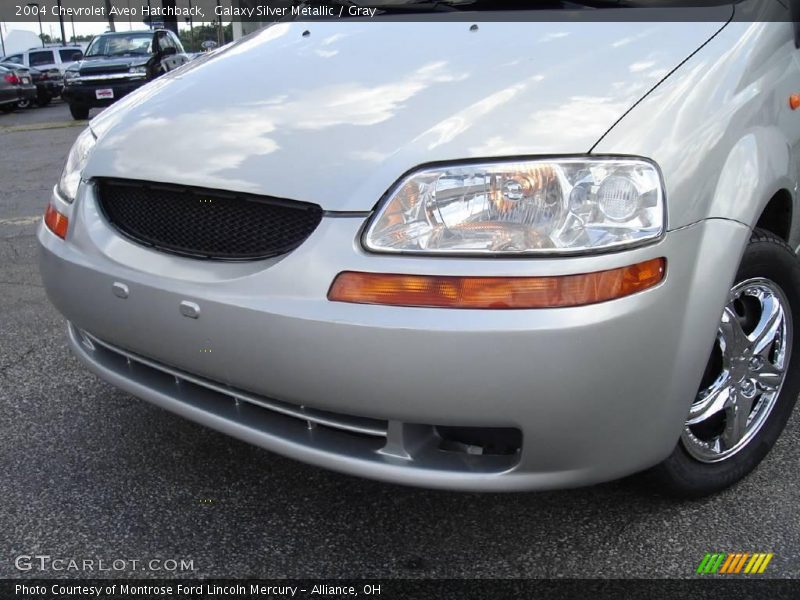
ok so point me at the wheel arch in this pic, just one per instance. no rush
(755, 185)
(777, 215)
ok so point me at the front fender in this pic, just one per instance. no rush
(720, 127)
(757, 167)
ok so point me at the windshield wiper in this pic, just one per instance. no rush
(500, 5)
(419, 6)
(411, 6)
(490, 5)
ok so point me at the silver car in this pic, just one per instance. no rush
(516, 254)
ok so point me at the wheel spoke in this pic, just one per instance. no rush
(768, 377)
(716, 401)
(769, 324)
(735, 424)
(735, 338)
(736, 416)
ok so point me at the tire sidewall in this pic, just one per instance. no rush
(765, 257)
(79, 112)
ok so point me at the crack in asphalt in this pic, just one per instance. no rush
(14, 250)
(18, 360)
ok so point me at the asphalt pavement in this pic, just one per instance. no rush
(89, 472)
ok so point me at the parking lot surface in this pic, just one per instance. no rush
(89, 472)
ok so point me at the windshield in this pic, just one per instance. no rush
(503, 5)
(121, 44)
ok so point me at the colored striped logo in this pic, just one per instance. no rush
(730, 564)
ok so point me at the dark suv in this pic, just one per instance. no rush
(115, 64)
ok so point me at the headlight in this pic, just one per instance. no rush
(78, 155)
(553, 206)
(140, 70)
(69, 75)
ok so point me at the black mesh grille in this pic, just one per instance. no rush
(104, 69)
(206, 223)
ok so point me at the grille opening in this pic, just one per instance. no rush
(104, 69)
(499, 441)
(203, 223)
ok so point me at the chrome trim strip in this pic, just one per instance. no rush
(107, 77)
(301, 413)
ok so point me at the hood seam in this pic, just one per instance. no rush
(667, 76)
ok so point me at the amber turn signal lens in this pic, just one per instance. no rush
(794, 101)
(56, 222)
(496, 292)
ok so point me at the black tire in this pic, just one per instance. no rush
(682, 475)
(23, 104)
(79, 112)
(43, 100)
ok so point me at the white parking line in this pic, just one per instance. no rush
(19, 221)
(41, 126)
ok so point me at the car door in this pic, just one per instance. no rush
(168, 55)
(181, 58)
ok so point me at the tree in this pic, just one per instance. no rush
(203, 33)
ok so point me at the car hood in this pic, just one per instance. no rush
(335, 112)
(109, 63)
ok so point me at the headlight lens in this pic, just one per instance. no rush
(538, 206)
(76, 161)
(140, 70)
(68, 75)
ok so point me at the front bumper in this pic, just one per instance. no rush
(85, 93)
(598, 392)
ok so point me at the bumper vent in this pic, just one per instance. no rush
(206, 223)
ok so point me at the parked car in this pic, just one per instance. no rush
(115, 64)
(18, 81)
(8, 90)
(58, 57)
(526, 253)
(48, 84)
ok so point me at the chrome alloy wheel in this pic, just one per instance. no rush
(745, 373)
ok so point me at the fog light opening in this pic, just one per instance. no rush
(497, 441)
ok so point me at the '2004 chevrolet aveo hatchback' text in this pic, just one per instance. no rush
(475, 255)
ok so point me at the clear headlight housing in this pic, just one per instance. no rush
(76, 161)
(70, 74)
(569, 205)
(138, 70)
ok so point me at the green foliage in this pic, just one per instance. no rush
(203, 33)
